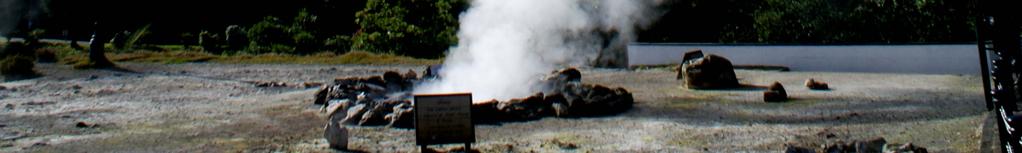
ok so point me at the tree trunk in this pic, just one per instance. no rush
(97, 56)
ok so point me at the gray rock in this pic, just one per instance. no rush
(336, 135)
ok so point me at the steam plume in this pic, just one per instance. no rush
(506, 46)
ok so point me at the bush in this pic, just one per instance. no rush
(46, 55)
(275, 36)
(17, 66)
(339, 44)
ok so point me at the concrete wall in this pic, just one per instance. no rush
(909, 58)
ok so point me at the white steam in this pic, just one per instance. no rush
(506, 46)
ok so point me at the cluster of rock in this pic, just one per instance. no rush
(386, 100)
(709, 71)
(870, 145)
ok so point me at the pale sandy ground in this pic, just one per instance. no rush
(209, 108)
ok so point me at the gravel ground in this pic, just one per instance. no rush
(206, 107)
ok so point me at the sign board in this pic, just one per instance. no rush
(444, 119)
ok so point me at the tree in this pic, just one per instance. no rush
(407, 27)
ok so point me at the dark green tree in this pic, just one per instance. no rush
(407, 27)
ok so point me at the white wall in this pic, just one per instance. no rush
(914, 58)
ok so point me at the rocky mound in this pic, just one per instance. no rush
(878, 144)
(386, 100)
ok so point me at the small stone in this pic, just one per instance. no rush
(816, 85)
(93, 77)
(3, 88)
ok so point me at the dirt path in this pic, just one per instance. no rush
(211, 108)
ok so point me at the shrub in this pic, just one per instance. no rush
(338, 44)
(17, 66)
(46, 55)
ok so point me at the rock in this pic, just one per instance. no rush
(268, 84)
(82, 124)
(432, 72)
(378, 110)
(336, 135)
(816, 85)
(322, 95)
(311, 84)
(903, 148)
(334, 132)
(871, 145)
(3, 88)
(485, 112)
(797, 149)
(354, 114)
(707, 71)
(556, 81)
(595, 100)
(411, 75)
(394, 81)
(402, 116)
(529, 108)
(839, 147)
(569, 75)
(558, 104)
(775, 93)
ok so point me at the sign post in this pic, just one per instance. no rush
(444, 119)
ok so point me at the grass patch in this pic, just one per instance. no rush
(173, 57)
(17, 66)
(354, 57)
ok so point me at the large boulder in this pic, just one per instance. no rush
(775, 93)
(710, 71)
(334, 132)
(594, 100)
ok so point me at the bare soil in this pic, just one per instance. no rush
(203, 107)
